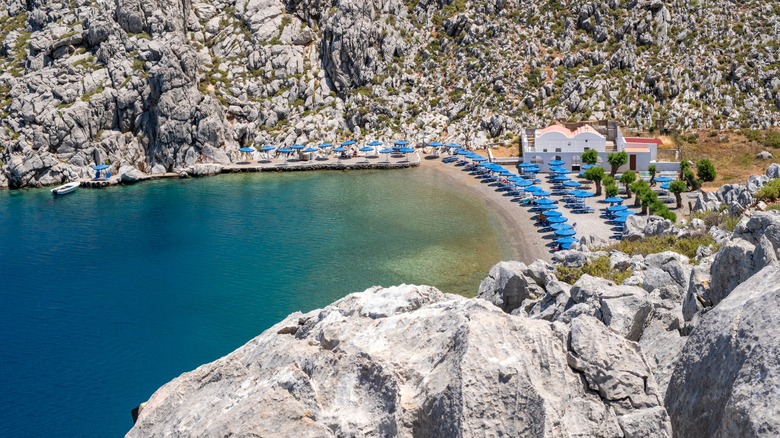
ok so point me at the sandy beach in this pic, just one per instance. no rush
(522, 241)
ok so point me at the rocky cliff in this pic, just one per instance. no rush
(159, 85)
(412, 361)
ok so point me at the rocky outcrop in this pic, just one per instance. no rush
(412, 361)
(728, 378)
(639, 227)
(754, 244)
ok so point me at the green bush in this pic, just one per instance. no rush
(770, 192)
(686, 246)
(599, 267)
(706, 170)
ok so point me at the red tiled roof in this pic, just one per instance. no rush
(644, 140)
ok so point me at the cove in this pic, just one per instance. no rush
(108, 294)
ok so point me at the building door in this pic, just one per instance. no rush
(632, 162)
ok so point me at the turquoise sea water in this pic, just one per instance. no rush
(107, 294)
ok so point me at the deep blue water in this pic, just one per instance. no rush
(105, 295)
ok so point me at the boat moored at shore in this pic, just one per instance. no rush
(65, 188)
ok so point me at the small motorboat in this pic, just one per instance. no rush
(66, 188)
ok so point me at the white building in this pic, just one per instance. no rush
(567, 143)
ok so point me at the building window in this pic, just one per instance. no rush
(586, 148)
(557, 150)
(544, 150)
(558, 157)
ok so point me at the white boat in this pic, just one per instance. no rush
(66, 188)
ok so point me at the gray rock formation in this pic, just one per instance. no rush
(412, 361)
(754, 244)
(639, 227)
(727, 381)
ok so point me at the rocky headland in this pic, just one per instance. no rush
(681, 347)
(157, 86)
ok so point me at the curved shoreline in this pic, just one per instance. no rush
(519, 240)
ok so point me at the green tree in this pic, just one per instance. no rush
(611, 190)
(647, 198)
(651, 168)
(677, 187)
(639, 187)
(627, 178)
(684, 164)
(595, 174)
(616, 160)
(590, 156)
(705, 170)
(690, 178)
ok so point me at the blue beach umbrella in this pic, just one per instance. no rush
(547, 207)
(542, 192)
(523, 165)
(617, 208)
(553, 213)
(556, 163)
(565, 232)
(557, 219)
(386, 151)
(100, 167)
(665, 186)
(461, 152)
(544, 201)
(406, 150)
(625, 213)
(583, 194)
(325, 145)
(247, 150)
(309, 150)
(267, 148)
(519, 182)
(285, 151)
(297, 147)
(348, 143)
(375, 143)
(614, 200)
(339, 149)
(586, 166)
(453, 146)
(561, 178)
(663, 179)
(561, 226)
(366, 149)
(479, 159)
(567, 239)
(435, 144)
(572, 184)
(620, 219)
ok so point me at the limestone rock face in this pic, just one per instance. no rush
(510, 283)
(727, 381)
(412, 361)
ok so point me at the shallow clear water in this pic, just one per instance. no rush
(107, 294)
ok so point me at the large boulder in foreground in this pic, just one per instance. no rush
(727, 381)
(412, 361)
